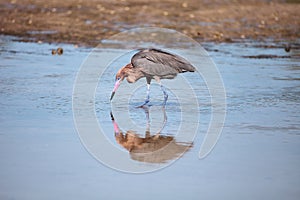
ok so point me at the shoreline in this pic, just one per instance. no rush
(87, 23)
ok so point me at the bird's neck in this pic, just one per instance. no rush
(133, 75)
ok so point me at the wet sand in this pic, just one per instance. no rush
(88, 22)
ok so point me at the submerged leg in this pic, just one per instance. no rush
(147, 100)
(165, 94)
(146, 109)
(163, 89)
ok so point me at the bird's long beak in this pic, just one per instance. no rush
(117, 84)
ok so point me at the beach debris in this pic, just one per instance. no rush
(287, 47)
(266, 56)
(58, 51)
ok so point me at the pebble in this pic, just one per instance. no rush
(287, 48)
(60, 51)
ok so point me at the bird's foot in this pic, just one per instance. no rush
(146, 103)
(165, 99)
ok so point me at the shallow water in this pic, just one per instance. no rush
(256, 157)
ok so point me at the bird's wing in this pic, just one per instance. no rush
(160, 63)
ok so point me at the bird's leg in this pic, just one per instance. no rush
(165, 94)
(163, 89)
(148, 94)
(147, 100)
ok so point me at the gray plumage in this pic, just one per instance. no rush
(164, 65)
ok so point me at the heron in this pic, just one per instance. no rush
(154, 64)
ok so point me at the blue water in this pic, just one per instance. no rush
(256, 157)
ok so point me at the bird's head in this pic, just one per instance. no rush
(121, 74)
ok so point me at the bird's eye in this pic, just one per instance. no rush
(118, 78)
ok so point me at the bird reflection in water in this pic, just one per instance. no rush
(156, 148)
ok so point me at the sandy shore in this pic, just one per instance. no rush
(88, 22)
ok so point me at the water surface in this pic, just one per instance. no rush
(256, 157)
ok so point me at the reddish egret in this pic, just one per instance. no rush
(152, 64)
